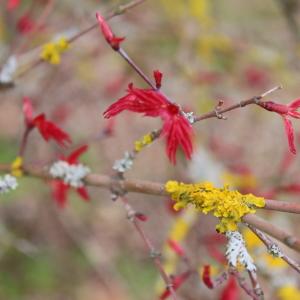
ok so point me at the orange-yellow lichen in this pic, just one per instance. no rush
(16, 167)
(229, 206)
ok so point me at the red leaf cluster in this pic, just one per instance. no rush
(151, 103)
(47, 129)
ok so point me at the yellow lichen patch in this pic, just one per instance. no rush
(16, 167)
(51, 52)
(140, 144)
(229, 206)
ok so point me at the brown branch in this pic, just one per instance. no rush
(219, 113)
(255, 285)
(116, 12)
(290, 207)
(217, 281)
(271, 245)
(148, 187)
(153, 188)
(243, 284)
(279, 234)
(154, 254)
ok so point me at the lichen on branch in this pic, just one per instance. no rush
(227, 205)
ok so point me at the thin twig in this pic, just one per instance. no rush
(255, 285)
(243, 284)
(125, 56)
(154, 254)
(252, 100)
(116, 12)
(40, 22)
(290, 207)
(279, 234)
(158, 189)
(271, 245)
(217, 281)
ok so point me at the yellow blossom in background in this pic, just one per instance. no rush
(201, 10)
(211, 46)
(229, 206)
(288, 292)
(174, 8)
(274, 262)
(140, 144)
(16, 167)
(251, 239)
(240, 181)
(51, 52)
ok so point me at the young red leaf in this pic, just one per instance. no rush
(59, 192)
(28, 112)
(177, 281)
(82, 191)
(176, 247)
(60, 189)
(47, 129)
(231, 290)
(50, 131)
(176, 128)
(286, 111)
(289, 130)
(206, 277)
(158, 77)
(142, 217)
(74, 156)
(113, 40)
(25, 24)
(12, 4)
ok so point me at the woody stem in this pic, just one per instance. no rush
(24, 141)
(153, 188)
(136, 68)
(116, 12)
(149, 245)
(269, 243)
(252, 100)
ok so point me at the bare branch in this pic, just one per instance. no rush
(271, 245)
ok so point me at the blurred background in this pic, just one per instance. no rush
(208, 50)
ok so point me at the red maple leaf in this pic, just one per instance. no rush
(47, 129)
(286, 111)
(151, 103)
